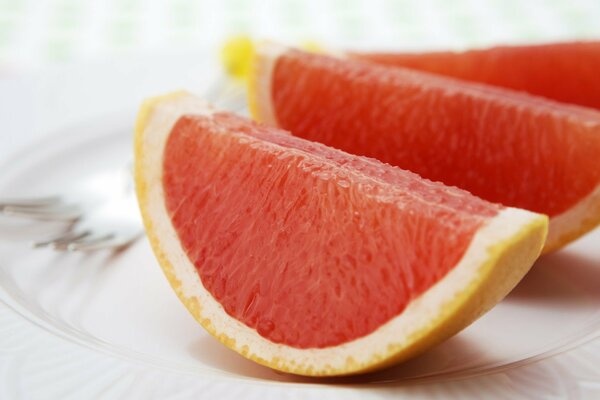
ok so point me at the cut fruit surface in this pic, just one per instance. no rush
(504, 146)
(566, 72)
(311, 260)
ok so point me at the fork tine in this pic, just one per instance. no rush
(69, 213)
(88, 241)
(111, 243)
(68, 237)
(32, 202)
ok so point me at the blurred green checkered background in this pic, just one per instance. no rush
(36, 33)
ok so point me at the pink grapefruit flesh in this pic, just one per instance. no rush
(504, 146)
(311, 260)
(567, 72)
(261, 220)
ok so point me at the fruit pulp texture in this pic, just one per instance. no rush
(566, 72)
(310, 246)
(504, 146)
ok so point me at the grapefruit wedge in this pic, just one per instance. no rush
(504, 146)
(310, 260)
(566, 72)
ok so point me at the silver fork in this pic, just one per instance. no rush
(106, 219)
(94, 219)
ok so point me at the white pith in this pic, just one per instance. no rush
(562, 228)
(415, 318)
(269, 52)
(572, 220)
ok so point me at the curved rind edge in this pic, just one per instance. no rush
(506, 262)
(578, 220)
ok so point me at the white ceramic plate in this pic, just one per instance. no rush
(103, 324)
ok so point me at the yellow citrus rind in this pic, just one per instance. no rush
(500, 254)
